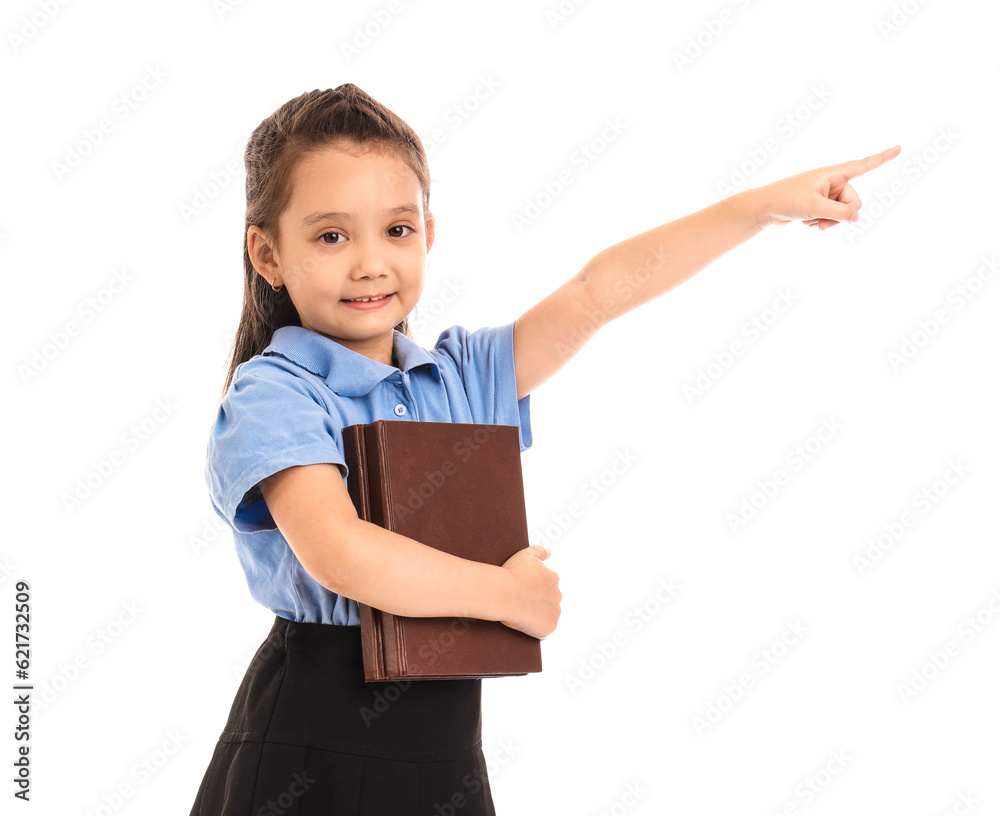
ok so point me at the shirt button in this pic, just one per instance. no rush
(400, 409)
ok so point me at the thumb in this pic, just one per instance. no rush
(540, 551)
(835, 210)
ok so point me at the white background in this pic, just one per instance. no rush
(827, 83)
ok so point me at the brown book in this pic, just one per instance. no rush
(456, 487)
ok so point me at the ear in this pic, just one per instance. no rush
(262, 255)
(429, 231)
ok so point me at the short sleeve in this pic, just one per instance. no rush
(270, 419)
(485, 361)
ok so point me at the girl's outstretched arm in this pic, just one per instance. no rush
(643, 267)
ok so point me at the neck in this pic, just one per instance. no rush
(379, 349)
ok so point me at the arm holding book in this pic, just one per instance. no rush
(367, 563)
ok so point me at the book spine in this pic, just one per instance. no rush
(357, 486)
(381, 514)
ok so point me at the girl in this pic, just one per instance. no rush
(338, 227)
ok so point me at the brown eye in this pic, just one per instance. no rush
(401, 227)
(331, 243)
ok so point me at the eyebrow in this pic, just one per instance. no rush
(315, 218)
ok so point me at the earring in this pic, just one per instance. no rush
(275, 288)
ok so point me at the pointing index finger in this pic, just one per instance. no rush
(857, 167)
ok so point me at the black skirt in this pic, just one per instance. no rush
(307, 735)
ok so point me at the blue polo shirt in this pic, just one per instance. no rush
(289, 405)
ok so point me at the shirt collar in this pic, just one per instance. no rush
(347, 372)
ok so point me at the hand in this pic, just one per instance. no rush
(818, 198)
(534, 596)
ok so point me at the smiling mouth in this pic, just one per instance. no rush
(365, 299)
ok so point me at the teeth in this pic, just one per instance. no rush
(365, 300)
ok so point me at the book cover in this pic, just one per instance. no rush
(456, 487)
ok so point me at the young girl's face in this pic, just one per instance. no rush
(354, 228)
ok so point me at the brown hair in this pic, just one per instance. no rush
(307, 123)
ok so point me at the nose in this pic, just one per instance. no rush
(368, 261)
